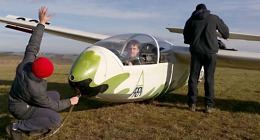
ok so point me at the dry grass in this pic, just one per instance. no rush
(237, 114)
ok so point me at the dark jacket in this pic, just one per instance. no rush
(29, 92)
(200, 32)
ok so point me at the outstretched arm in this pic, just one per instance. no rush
(34, 43)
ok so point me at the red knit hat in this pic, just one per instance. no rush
(42, 67)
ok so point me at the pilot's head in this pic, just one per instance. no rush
(132, 48)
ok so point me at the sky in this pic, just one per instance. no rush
(113, 17)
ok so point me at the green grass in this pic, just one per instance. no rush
(236, 116)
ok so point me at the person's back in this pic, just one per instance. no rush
(200, 33)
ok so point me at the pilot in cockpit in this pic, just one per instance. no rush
(132, 50)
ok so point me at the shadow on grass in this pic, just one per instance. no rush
(230, 105)
(66, 91)
(5, 121)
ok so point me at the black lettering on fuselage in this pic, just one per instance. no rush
(137, 92)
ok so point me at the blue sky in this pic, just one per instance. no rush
(113, 17)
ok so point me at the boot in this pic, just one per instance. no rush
(13, 134)
(209, 109)
(192, 107)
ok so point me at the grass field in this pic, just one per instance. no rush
(236, 116)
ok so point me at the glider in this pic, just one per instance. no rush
(100, 74)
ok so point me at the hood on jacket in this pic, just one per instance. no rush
(200, 14)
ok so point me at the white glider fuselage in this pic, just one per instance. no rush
(100, 73)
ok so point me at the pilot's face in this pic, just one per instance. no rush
(133, 50)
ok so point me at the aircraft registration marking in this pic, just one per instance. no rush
(137, 92)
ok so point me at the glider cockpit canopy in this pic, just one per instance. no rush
(151, 49)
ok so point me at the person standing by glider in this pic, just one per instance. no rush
(200, 33)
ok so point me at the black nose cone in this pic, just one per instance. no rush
(85, 89)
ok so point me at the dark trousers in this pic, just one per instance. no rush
(209, 63)
(42, 117)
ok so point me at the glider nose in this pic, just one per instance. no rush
(84, 87)
(83, 71)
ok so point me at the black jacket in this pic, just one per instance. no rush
(200, 32)
(29, 92)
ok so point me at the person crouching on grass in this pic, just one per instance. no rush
(29, 101)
